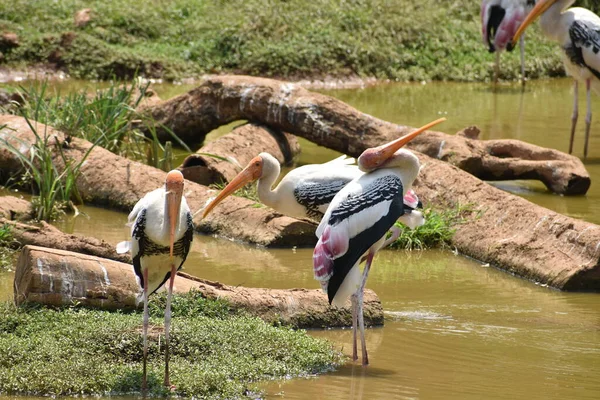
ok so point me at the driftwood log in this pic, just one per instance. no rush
(334, 124)
(46, 235)
(110, 180)
(238, 147)
(56, 277)
(14, 208)
(512, 233)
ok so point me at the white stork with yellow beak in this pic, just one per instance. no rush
(161, 236)
(577, 31)
(357, 221)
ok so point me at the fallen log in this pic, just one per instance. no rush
(45, 235)
(331, 123)
(235, 150)
(506, 159)
(511, 233)
(56, 278)
(13, 208)
(110, 180)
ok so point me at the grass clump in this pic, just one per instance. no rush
(7, 247)
(214, 353)
(437, 231)
(380, 38)
(249, 191)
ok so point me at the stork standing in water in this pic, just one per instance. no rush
(499, 22)
(577, 31)
(161, 236)
(357, 221)
(304, 192)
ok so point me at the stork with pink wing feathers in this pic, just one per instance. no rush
(354, 226)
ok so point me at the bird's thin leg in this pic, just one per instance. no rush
(588, 117)
(497, 68)
(395, 234)
(574, 115)
(361, 320)
(145, 331)
(167, 381)
(354, 301)
(522, 48)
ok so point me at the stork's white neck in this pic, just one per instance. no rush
(406, 165)
(550, 21)
(271, 170)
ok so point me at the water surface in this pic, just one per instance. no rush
(455, 329)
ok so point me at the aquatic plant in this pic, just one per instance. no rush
(54, 190)
(216, 352)
(438, 228)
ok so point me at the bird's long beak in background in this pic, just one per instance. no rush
(174, 188)
(538, 10)
(252, 172)
(376, 157)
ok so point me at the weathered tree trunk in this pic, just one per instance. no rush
(511, 233)
(46, 235)
(108, 179)
(506, 159)
(14, 208)
(57, 277)
(332, 123)
(238, 148)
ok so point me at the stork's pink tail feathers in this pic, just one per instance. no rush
(331, 245)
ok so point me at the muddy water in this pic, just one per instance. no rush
(455, 329)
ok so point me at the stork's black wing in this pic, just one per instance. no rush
(375, 209)
(585, 45)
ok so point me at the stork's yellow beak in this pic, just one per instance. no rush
(252, 172)
(538, 10)
(174, 188)
(375, 157)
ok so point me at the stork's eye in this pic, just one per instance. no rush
(257, 164)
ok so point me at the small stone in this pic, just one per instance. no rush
(83, 17)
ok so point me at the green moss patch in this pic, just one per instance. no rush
(215, 353)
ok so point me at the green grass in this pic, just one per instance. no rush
(393, 39)
(437, 231)
(215, 354)
(249, 191)
(7, 248)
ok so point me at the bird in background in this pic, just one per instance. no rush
(161, 235)
(354, 226)
(500, 20)
(577, 31)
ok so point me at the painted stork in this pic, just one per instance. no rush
(357, 221)
(499, 22)
(305, 192)
(161, 236)
(577, 31)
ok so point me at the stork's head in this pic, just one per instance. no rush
(252, 172)
(540, 8)
(379, 157)
(174, 193)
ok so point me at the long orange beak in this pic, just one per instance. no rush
(252, 172)
(375, 157)
(174, 187)
(538, 10)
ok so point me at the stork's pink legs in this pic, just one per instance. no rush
(167, 381)
(574, 115)
(361, 320)
(588, 116)
(354, 301)
(145, 332)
